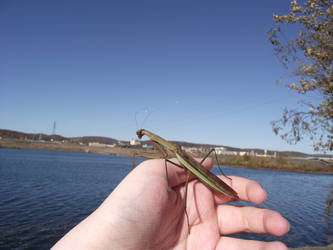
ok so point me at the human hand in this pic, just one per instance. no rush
(143, 212)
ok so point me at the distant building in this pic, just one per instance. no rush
(134, 142)
(252, 153)
(194, 150)
(146, 146)
(190, 149)
(224, 151)
(96, 144)
(220, 150)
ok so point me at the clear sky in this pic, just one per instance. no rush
(205, 69)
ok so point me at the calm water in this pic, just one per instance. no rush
(43, 194)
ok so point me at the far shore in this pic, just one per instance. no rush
(279, 164)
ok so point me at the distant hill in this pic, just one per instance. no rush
(255, 150)
(99, 139)
(5, 133)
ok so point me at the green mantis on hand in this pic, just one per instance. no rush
(166, 149)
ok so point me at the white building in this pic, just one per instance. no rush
(220, 150)
(96, 144)
(134, 142)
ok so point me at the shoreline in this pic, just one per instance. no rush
(328, 247)
(139, 153)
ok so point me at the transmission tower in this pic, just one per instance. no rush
(54, 128)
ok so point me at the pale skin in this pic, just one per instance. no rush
(143, 212)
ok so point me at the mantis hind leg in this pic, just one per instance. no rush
(217, 162)
(177, 165)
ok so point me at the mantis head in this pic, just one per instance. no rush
(140, 133)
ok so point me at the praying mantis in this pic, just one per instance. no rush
(168, 150)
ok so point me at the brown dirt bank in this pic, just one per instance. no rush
(66, 147)
(74, 147)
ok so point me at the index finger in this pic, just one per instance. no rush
(248, 190)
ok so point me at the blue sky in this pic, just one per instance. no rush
(205, 69)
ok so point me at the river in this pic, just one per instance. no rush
(43, 194)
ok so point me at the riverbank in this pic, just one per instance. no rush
(279, 163)
(329, 247)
